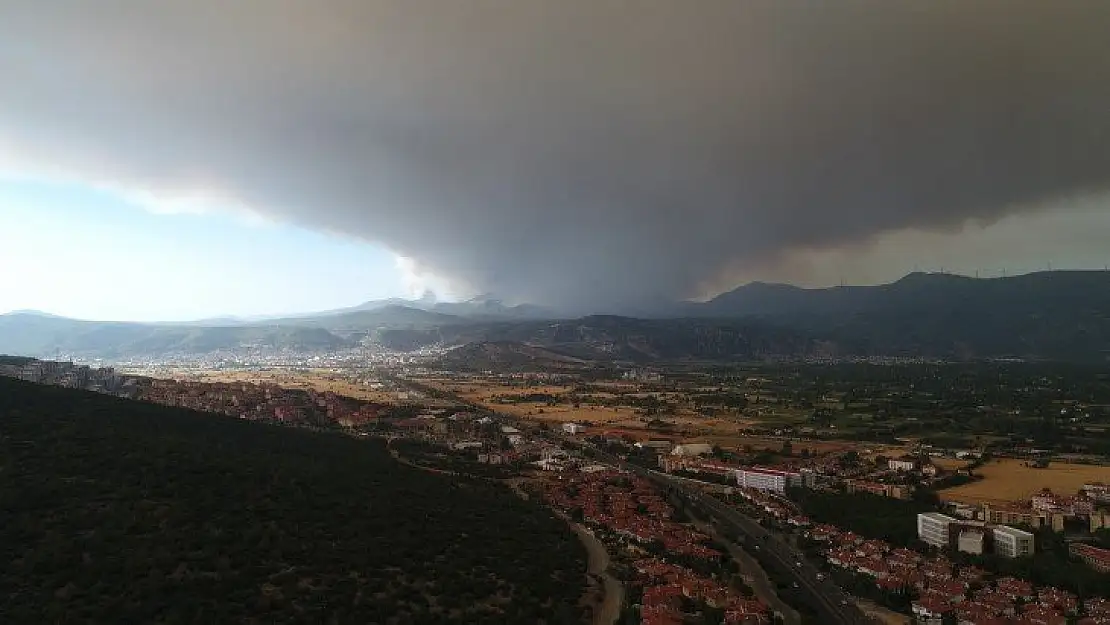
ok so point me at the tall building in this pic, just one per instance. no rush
(573, 428)
(932, 527)
(905, 463)
(767, 479)
(1012, 543)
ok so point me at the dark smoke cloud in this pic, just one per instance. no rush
(573, 151)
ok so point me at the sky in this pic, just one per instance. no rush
(593, 155)
(76, 251)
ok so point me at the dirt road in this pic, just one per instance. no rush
(882, 615)
(597, 565)
(610, 609)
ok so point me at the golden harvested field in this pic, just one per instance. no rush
(949, 464)
(685, 425)
(319, 382)
(1009, 479)
(564, 413)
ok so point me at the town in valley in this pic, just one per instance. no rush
(973, 493)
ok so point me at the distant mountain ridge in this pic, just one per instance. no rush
(486, 306)
(1062, 315)
(36, 335)
(913, 292)
(33, 335)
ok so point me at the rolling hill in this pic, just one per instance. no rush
(481, 308)
(366, 320)
(1061, 315)
(116, 511)
(918, 294)
(606, 337)
(508, 355)
(33, 335)
(1053, 315)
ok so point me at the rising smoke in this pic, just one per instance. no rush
(572, 152)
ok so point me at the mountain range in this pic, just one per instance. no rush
(484, 307)
(1061, 315)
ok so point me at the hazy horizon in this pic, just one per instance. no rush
(416, 299)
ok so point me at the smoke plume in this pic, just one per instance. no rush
(573, 152)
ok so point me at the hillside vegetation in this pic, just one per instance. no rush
(508, 355)
(124, 512)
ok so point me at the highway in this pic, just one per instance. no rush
(832, 604)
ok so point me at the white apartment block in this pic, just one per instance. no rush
(932, 527)
(767, 479)
(1012, 543)
(902, 464)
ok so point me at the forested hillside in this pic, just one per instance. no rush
(124, 512)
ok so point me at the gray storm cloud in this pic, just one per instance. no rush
(573, 151)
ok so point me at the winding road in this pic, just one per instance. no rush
(598, 565)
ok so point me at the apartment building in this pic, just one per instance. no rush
(761, 478)
(941, 530)
(897, 491)
(1011, 515)
(1098, 520)
(1010, 542)
(1097, 559)
(1098, 491)
(573, 428)
(905, 463)
(933, 528)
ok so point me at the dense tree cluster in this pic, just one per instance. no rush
(870, 516)
(1051, 405)
(124, 512)
(437, 457)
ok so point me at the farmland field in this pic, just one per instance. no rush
(682, 423)
(320, 381)
(949, 464)
(1011, 480)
